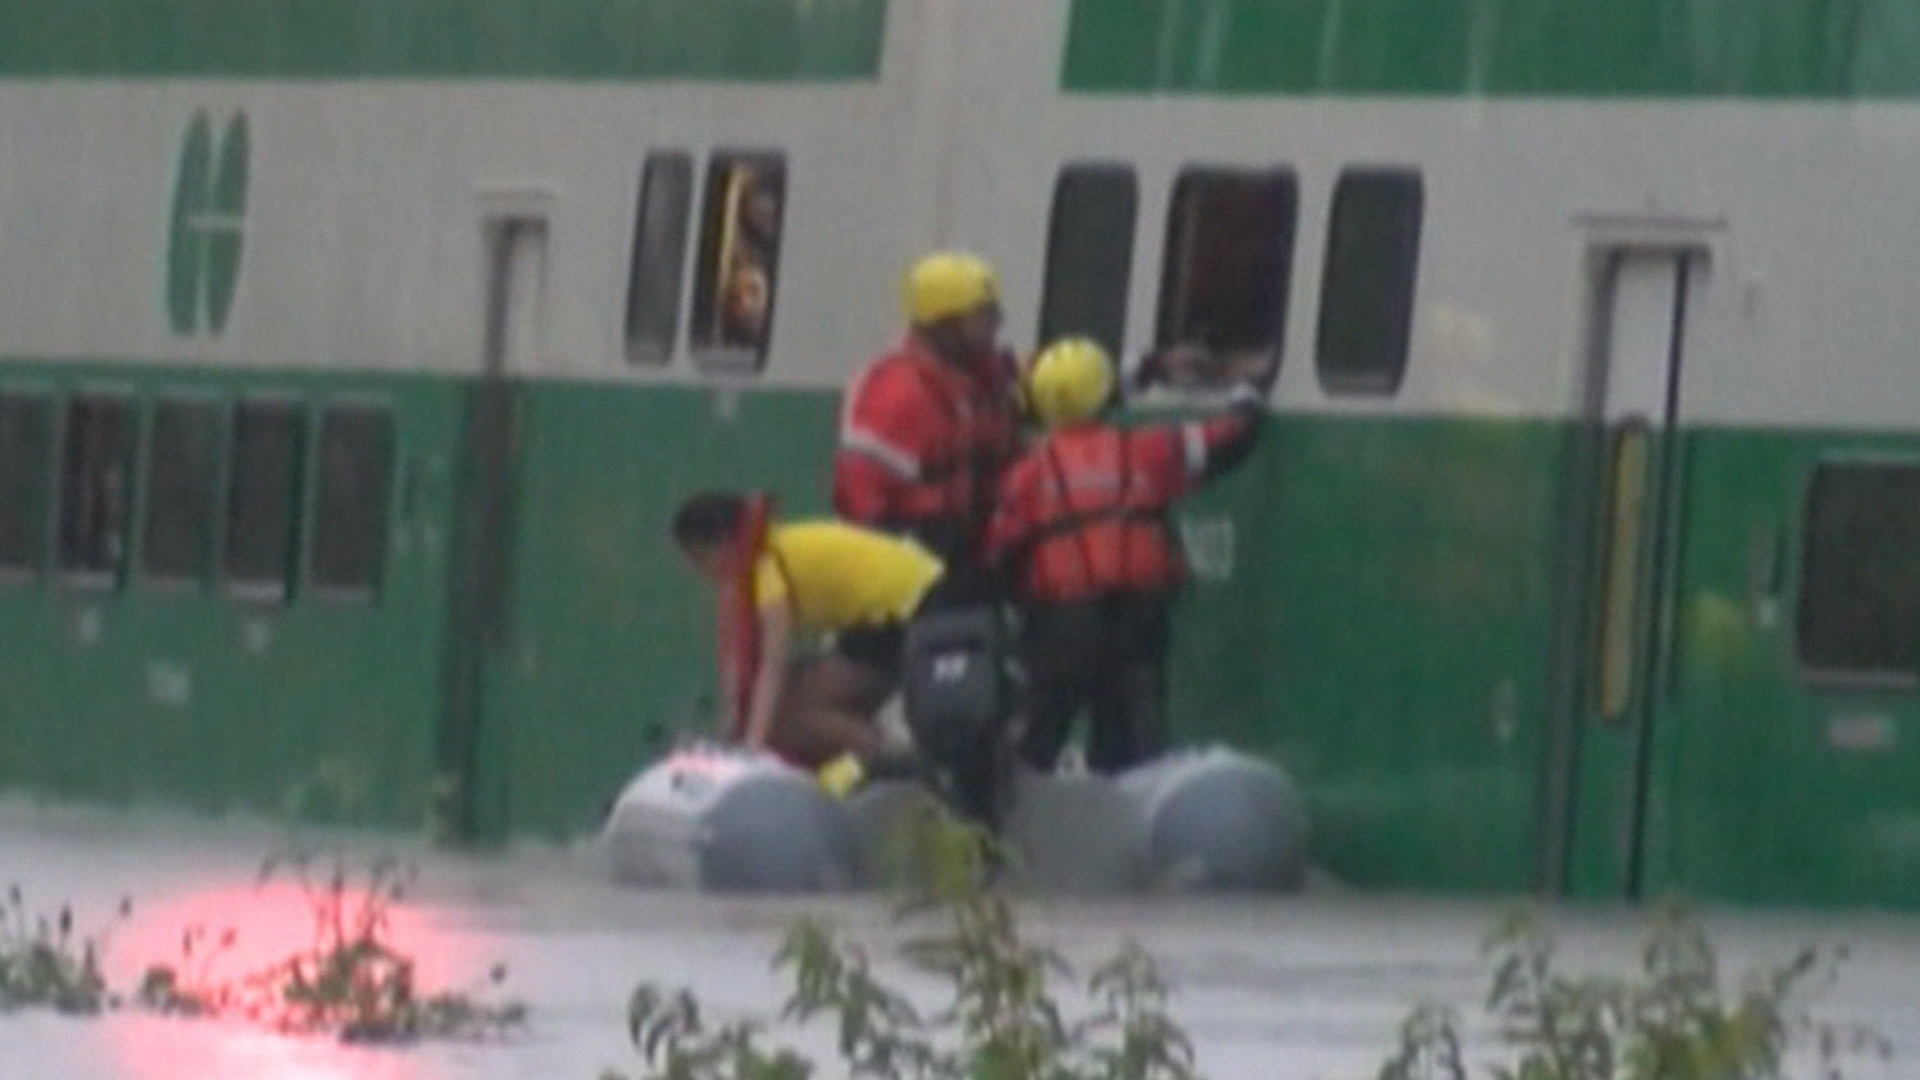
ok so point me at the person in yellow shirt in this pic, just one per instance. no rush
(813, 577)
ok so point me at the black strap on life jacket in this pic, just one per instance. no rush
(1078, 521)
(1070, 520)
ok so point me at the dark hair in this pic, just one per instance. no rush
(710, 519)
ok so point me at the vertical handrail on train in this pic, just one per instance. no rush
(479, 566)
(1572, 607)
(1658, 677)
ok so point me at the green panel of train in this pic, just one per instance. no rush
(1531, 48)
(741, 40)
(1595, 48)
(238, 667)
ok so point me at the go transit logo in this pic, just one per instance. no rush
(204, 236)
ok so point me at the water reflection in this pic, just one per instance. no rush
(152, 1048)
(226, 932)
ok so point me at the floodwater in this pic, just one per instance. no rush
(1308, 987)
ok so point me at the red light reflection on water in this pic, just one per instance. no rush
(262, 926)
(153, 1048)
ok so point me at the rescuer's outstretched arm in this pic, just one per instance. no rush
(1195, 453)
(770, 681)
(1230, 437)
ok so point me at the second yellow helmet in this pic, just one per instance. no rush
(1070, 381)
(949, 283)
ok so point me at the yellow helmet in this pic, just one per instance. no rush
(949, 283)
(1070, 381)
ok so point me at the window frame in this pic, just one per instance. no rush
(1177, 253)
(85, 579)
(259, 592)
(709, 354)
(312, 481)
(223, 466)
(52, 449)
(650, 352)
(1370, 382)
(1833, 679)
(1123, 288)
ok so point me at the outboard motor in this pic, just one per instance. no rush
(959, 688)
(726, 820)
(1216, 820)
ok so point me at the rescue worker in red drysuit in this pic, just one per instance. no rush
(1083, 533)
(927, 428)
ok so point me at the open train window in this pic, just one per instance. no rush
(265, 467)
(96, 473)
(1090, 255)
(1859, 617)
(26, 458)
(739, 264)
(1366, 291)
(1229, 266)
(354, 478)
(183, 491)
(660, 229)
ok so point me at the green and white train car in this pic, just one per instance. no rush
(354, 352)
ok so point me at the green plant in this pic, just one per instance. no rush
(1002, 1022)
(354, 981)
(1670, 1021)
(43, 962)
(189, 988)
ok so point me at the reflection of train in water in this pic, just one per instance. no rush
(353, 363)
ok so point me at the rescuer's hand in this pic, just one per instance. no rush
(1180, 367)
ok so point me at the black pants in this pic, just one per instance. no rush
(1109, 656)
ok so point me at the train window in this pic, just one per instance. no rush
(183, 483)
(739, 264)
(1090, 254)
(26, 447)
(1366, 291)
(1229, 266)
(354, 475)
(659, 252)
(95, 486)
(261, 502)
(1860, 575)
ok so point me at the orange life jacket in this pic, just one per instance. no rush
(1095, 516)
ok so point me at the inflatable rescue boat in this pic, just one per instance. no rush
(720, 819)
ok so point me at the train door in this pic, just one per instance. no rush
(1623, 521)
(472, 799)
